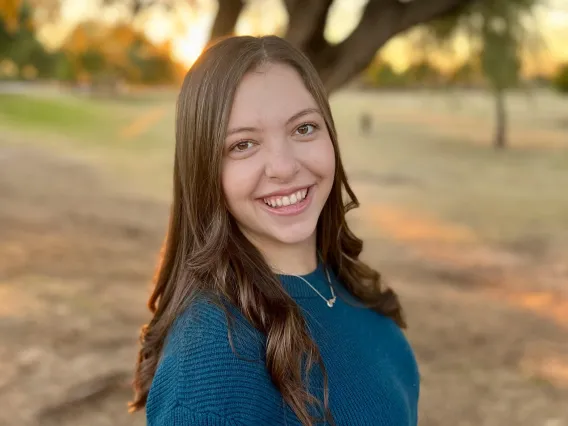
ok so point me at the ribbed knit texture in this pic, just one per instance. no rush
(372, 372)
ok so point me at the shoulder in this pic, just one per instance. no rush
(206, 330)
(210, 366)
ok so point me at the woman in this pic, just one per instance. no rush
(263, 313)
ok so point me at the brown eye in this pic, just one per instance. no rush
(242, 146)
(305, 129)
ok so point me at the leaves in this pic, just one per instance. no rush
(18, 13)
(496, 31)
(10, 13)
(117, 52)
(560, 81)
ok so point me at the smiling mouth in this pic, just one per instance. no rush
(288, 200)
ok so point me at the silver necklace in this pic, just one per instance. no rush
(330, 302)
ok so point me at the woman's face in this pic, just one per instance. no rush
(279, 162)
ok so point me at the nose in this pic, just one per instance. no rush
(282, 162)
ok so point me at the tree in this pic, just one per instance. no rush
(93, 61)
(501, 65)
(336, 63)
(382, 74)
(153, 65)
(560, 81)
(10, 11)
(497, 32)
(65, 69)
(423, 72)
(109, 55)
(380, 21)
(19, 44)
(467, 74)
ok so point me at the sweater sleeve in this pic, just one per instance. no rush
(183, 416)
(201, 381)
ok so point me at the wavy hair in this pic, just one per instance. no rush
(204, 252)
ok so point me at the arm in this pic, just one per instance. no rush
(200, 381)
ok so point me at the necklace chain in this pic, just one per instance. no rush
(330, 302)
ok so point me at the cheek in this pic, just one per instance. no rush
(330, 160)
(238, 183)
(323, 159)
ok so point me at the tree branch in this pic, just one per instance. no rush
(306, 24)
(337, 64)
(381, 20)
(226, 18)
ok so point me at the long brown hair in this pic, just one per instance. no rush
(206, 254)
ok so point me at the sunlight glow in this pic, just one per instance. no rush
(188, 46)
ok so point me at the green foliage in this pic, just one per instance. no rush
(467, 73)
(560, 81)
(137, 61)
(496, 31)
(93, 61)
(64, 68)
(22, 46)
(423, 72)
(382, 74)
(153, 67)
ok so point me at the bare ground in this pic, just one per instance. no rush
(75, 263)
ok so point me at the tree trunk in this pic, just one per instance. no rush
(306, 25)
(500, 141)
(226, 18)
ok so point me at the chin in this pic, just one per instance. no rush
(293, 235)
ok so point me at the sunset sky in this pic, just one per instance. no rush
(189, 28)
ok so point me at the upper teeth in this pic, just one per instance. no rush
(288, 200)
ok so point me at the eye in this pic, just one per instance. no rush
(242, 146)
(306, 129)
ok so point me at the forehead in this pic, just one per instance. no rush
(271, 94)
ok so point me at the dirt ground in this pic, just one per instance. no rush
(77, 255)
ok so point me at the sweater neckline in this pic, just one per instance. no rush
(297, 288)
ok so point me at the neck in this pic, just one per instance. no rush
(290, 259)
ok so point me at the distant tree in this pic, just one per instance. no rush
(124, 54)
(540, 81)
(387, 76)
(560, 81)
(93, 61)
(382, 74)
(152, 65)
(19, 44)
(10, 11)
(498, 32)
(43, 10)
(65, 69)
(423, 72)
(468, 73)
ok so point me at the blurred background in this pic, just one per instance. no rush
(453, 125)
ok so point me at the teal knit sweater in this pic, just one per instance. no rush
(373, 376)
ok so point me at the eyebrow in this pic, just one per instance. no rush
(290, 120)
